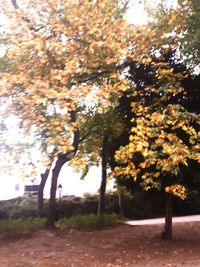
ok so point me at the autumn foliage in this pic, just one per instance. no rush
(66, 55)
(60, 52)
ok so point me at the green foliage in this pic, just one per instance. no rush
(191, 43)
(89, 222)
(93, 126)
(71, 205)
(139, 205)
(12, 228)
(189, 207)
(20, 207)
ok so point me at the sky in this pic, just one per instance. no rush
(71, 183)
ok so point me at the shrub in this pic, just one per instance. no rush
(89, 222)
(20, 207)
(139, 205)
(15, 228)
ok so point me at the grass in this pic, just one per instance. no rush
(18, 228)
(12, 228)
(89, 222)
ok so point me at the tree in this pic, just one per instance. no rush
(62, 52)
(164, 136)
(190, 42)
(59, 55)
(44, 177)
(99, 131)
(166, 92)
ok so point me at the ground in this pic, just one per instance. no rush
(121, 246)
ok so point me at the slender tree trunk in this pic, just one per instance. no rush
(121, 208)
(198, 190)
(62, 159)
(40, 207)
(101, 204)
(167, 235)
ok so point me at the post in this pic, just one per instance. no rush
(121, 208)
(60, 192)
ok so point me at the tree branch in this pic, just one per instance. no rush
(14, 3)
(36, 28)
(85, 77)
(87, 134)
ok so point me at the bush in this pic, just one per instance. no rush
(20, 207)
(190, 206)
(12, 228)
(72, 205)
(89, 222)
(139, 205)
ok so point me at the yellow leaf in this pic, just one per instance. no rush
(143, 165)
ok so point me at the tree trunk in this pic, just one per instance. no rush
(62, 159)
(101, 204)
(121, 208)
(198, 190)
(167, 235)
(40, 207)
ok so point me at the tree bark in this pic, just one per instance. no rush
(121, 208)
(101, 204)
(167, 235)
(40, 207)
(62, 159)
(14, 3)
(198, 190)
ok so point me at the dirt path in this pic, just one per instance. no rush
(118, 247)
(192, 218)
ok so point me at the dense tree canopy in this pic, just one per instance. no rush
(59, 53)
(164, 135)
(190, 43)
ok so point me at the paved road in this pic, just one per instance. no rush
(193, 218)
